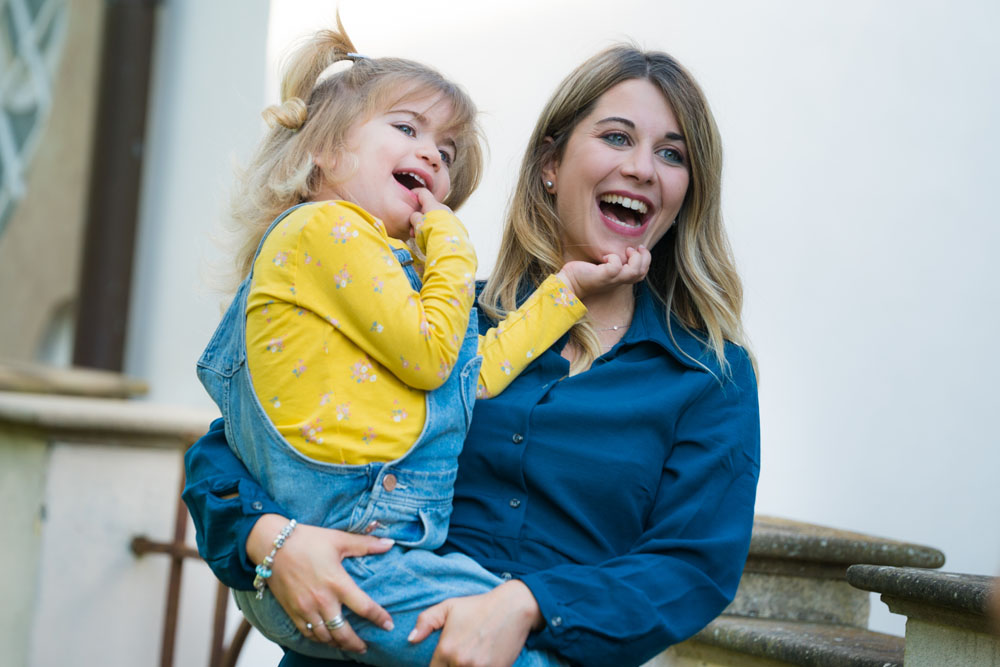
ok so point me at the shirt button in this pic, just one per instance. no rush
(517, 438)
(506, 576)
(257, 505)
(515, 503)
(389, 482)
(556, 621)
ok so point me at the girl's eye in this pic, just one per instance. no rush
(405, 129)
(671, 155)
(616, 138)
(446, 158)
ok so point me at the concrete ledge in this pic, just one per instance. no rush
(799, 643)
(39, 379)
(959, 600)
(71, 419)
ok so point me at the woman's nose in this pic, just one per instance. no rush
(639, 165)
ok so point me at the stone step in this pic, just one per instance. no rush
(756, 642)
(797, 571)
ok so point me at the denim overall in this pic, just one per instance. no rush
(408, 500)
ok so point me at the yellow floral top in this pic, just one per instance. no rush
(341, 348)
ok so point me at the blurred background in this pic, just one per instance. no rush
(860, 193)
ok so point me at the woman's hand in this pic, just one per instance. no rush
(488, 629)
(585, 278)
(309, 582)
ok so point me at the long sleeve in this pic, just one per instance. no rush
(333, 261)
(686, 565)
(223, 525)
(540, 321)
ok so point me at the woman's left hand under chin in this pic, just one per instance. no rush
(481, 630)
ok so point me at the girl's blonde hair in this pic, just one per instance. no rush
(314, 118)
(692, 272)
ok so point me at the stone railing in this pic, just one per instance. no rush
(947, 615)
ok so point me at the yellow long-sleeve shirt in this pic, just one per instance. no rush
(341, 348)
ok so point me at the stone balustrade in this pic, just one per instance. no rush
(947, 615)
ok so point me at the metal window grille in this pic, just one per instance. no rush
(32, 33)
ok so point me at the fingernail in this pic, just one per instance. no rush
(642, 245)
(389, 625)
(413, 633)
(387, 541)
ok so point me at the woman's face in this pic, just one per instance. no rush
(623, 174)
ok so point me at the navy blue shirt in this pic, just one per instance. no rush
(623, 496)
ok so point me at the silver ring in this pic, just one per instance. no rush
(336, 623)
(309, 627)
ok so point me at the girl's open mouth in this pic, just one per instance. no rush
(409, 180)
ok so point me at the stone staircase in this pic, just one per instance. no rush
(804, 600)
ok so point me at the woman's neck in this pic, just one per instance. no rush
(613, 308)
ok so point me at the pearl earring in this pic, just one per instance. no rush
(549, 185)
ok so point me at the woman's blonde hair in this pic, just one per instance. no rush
(692, 272)
(314, 118)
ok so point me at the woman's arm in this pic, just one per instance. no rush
(686, 566)
(235, 524)
(225, 503)
(679, 574)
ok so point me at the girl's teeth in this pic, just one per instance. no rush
(633, 204)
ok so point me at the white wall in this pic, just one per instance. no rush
(860, 183)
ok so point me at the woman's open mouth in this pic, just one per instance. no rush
(623, 214)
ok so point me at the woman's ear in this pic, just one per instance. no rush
(550, 166)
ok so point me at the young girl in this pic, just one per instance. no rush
(346, 382)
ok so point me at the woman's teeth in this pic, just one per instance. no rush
(633, 204)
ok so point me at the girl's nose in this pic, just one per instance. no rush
(428, 151)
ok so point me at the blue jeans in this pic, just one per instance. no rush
(408, 499)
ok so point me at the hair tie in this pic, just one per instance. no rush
(356, 56)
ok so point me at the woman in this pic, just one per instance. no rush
(612, 483)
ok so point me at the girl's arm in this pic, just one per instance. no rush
(545, 316)
(334, 262)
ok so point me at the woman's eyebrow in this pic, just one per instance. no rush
(673, 136)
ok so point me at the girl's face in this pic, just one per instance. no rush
(623, 174)
(405, 147)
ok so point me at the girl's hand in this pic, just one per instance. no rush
(427, 204)
(309, 582)
(488, 629)
(586, 279)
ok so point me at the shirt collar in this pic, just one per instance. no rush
(649, 323)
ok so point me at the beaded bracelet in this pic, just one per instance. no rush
(264, 569)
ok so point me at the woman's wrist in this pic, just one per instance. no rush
(260, 541)
(523, 601)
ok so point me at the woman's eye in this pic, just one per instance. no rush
(616, 138)
(446, 158)
(671, 155)
(406, 129)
